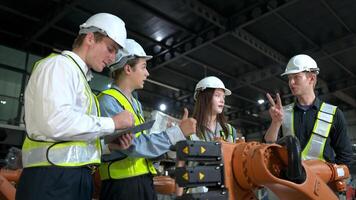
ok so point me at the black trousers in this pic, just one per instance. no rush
(52, 183)
(134, 188)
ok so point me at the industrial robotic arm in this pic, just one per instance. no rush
(235, 171)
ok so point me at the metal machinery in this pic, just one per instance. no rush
(235, 171)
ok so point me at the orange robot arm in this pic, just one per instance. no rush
(252, 165)
(248, 166)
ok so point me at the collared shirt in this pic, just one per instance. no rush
(338, 148)
(146, 145)
(56, 104)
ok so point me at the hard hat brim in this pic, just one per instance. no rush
(298, 71)
(227, 92)
(147, 57)
(119, 64)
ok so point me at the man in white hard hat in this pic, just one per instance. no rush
(63, 126)
(319, 126)
(131, 177)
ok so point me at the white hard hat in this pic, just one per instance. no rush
(301, 63)
(210, 82)
(132, 50)
(108, 24)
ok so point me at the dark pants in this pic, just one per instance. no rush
(135, 188)
(52, 183)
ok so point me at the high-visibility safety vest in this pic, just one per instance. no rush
(230, 134)
(37, 153)
(129, 166)
(230, 137)
(316, 144)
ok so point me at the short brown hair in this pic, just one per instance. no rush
(132, 63)
(80, 38)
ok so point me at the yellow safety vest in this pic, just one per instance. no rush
(129, 166)
(65, 153)
(230, 137)
(315, 146)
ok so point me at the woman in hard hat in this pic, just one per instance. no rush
(210, 95)
(212, 125)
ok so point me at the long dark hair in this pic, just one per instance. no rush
(203, 108)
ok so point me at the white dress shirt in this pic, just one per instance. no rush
(56, 103)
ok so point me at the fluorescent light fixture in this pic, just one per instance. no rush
(227, 106)
(163, 85)
(3, 102)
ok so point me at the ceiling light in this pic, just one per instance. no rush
(162, 107)
(159, 38)
(260, 101)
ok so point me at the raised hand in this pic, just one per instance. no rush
(188, 125)
(276, 109)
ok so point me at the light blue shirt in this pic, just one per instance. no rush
(146, 145)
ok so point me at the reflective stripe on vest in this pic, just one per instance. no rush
(130, 166)
(315, 146)
(230, 137)
(72, 153)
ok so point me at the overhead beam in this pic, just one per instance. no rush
(227, 52)
(259, 12)
(258, 45)
(18, 13)
(313, 43)
(49, 21)
(349, 39)
(338, 18)
(206, 13)
(258, 75)
(162, 15)
(183, 75)
(189, 47)
(342, 85)
(205, 38)
(345, 97)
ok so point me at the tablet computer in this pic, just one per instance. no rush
(134, 129)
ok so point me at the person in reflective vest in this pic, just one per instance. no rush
(212, 125)
(210, 95)
(62, 115)
(319, 126)
(131, 177)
